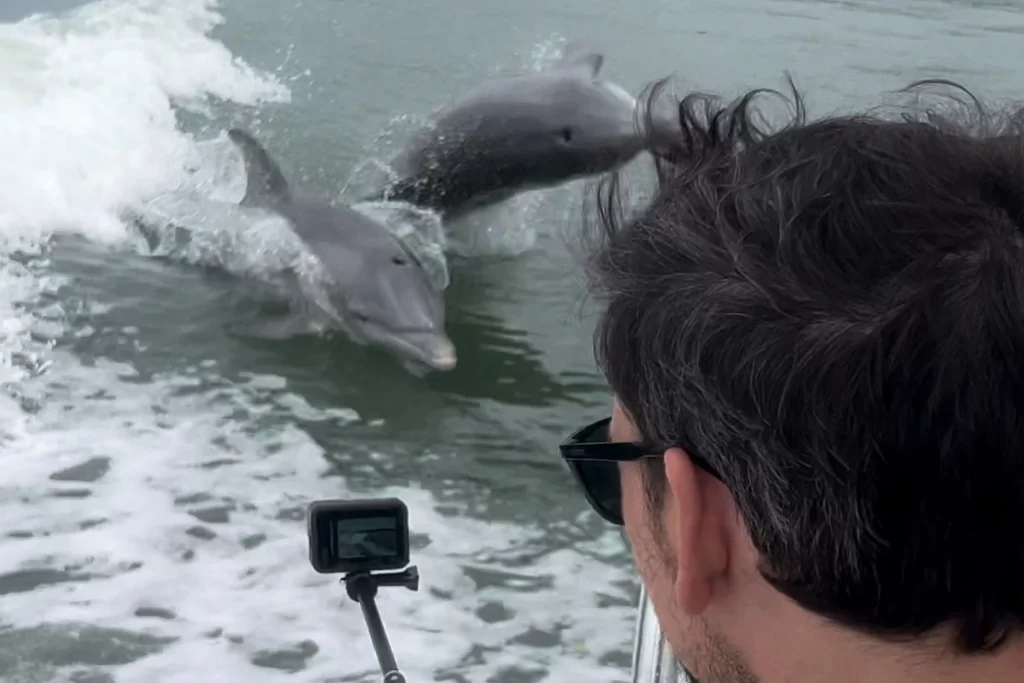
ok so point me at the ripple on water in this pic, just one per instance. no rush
(186, 557)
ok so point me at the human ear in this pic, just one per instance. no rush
(700, 544)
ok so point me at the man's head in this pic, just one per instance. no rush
(816, 335)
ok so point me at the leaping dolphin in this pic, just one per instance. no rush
(514, 134)
(379, 291)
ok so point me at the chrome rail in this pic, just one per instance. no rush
(653, 661)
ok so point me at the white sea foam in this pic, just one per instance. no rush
(88, 128)
(118, 551)
(136, 543)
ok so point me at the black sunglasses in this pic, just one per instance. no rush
(594, 461)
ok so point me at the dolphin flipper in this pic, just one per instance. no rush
(265, 185)
(580, 54)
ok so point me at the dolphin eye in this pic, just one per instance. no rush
(567, 134)
(399, 261)
(361, 317)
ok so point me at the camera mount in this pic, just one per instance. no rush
(362, 587)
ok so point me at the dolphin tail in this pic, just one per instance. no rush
(265, 184)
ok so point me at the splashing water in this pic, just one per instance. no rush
(88, 127)
(153, 524)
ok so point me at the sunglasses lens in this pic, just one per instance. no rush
(600, 482)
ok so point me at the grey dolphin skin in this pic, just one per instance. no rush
(379, 289)
(520, 133)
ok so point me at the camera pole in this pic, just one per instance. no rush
(362, 587)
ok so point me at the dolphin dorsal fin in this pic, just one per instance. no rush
(265, 185)
(581, 55)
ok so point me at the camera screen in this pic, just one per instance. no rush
(365, 537)
(348, 536)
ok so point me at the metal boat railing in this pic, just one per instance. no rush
(653, 661)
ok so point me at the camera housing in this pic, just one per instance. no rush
(347, 536)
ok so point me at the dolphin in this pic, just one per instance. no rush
(519, 133)
(379, 291)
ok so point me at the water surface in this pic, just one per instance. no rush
(157, 466)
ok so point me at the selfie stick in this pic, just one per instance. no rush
(362, 587)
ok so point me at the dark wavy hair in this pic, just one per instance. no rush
(831, 312)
